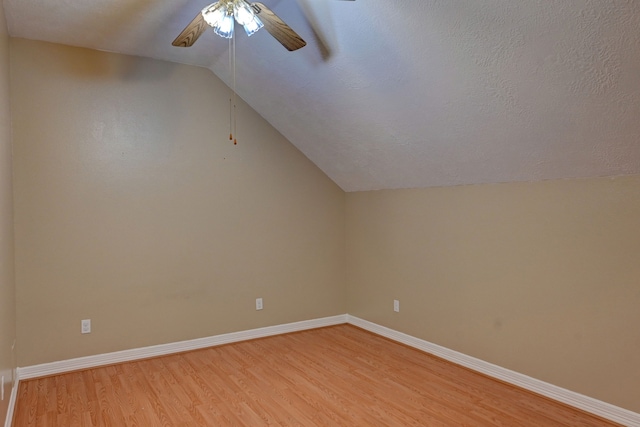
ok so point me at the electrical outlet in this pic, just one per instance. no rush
(85, 326)
(258, 303)
(396, 306)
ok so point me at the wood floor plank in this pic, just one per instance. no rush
(334, 376)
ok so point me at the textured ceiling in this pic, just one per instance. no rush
(414, 93)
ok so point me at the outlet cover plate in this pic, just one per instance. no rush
(85, 326)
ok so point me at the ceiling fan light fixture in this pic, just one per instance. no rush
(220, 17)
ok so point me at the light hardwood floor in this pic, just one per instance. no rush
(335, 376)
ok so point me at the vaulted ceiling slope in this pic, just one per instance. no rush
(411, 93)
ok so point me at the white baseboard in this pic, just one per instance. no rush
(577, 400)
(171, 348)
(594, 406)
(12, 400)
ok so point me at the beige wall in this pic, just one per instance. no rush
(134, 209)
(7, 284)
(542, 278)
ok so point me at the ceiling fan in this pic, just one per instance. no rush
(252, 16)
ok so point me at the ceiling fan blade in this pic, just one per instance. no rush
(315, 17)
(277, 28)
(190, 34)
(319, 19)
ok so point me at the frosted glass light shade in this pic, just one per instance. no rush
(252, 26)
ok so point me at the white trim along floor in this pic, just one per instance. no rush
(594, 406)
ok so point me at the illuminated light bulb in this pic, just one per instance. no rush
(246, 17)
(243, 12)
(224, 26)
(253, 26)
(213, 13)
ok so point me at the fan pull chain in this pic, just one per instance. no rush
(235, 115)
(230, 96)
